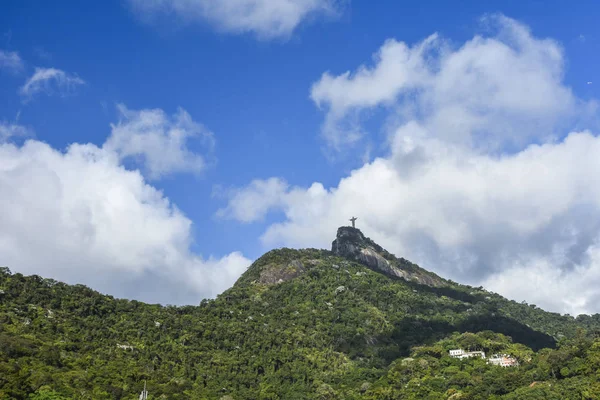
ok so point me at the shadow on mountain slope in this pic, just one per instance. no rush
(416, 331)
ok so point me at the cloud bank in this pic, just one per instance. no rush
(489, 176)
(80, 216)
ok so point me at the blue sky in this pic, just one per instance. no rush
(253, 88)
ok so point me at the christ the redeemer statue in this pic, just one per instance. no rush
(353, 219)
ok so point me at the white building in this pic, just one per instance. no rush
(503, 360)
(460, 353)
(456, 353)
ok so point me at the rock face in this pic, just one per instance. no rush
(352, 244)
(273, 274)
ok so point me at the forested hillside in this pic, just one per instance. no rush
(299, 324)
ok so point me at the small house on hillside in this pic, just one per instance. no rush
(460, 353)
(503, 360)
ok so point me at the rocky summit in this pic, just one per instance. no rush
(350, 243)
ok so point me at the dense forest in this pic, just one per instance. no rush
(299, 324)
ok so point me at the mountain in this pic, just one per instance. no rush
(351, 323)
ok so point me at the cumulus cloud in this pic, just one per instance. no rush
(482, 182)
(50, 81)
(253, 202)
(470, 217)
(11, 61)
(159, 142)
(265, 18)
(82, 217)
(493, 91)
(544, 283)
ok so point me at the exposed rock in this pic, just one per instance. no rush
(374, 260)
(352, 244)
(273, 274)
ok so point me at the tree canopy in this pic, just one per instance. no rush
(298, 324)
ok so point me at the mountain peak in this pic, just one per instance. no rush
(352, 244)
(350, 239)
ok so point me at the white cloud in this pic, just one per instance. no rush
(10, 61)
(159, 141)
(253, 202)
(499, 90)
(264, 18)
(540, 282)
(523, 220)
(467, 216)
(10, 130)
(50, 81)
(81, 217)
